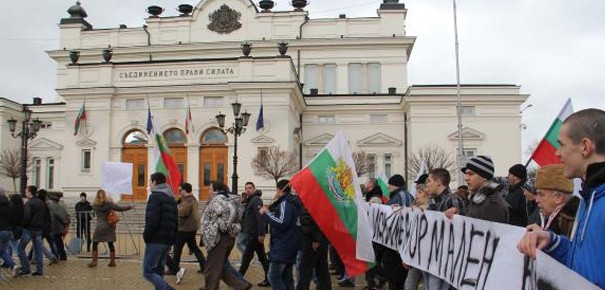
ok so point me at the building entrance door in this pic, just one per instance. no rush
(213, 166)
(138, 157)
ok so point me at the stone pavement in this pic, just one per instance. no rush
(74, 274)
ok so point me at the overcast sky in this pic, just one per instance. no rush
(553, 49)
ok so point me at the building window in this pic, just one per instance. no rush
(467, 110)
(214, 101)
(214, 136)
(173, 103)
(374, 78)
(379, 118)
(330, 79)
(135, 104)
(50, 172)
(36, 166)
(263, 151)
(311, 78)
(86, 159)
(354, 78)
(175, 136)
(326, 119)
(388, 164)
(469, 152)
(46, 126)
(372, 165)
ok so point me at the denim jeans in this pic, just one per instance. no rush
(26, 237)
(5, 237)
(153, 265)
(280, 276)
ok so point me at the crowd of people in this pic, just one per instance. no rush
(564, 225)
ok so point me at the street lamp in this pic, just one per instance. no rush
(237, 128)
(29, 130)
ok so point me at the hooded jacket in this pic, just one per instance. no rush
(161, 216)
(585, 253)
(286, 232)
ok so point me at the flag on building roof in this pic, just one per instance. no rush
(544, 154)
(260, 121)
(329, 188)
(80, 118)
(188, 121)
(162, 158)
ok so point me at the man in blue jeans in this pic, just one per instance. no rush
(161, 224)
(8, 221)
(34, 217)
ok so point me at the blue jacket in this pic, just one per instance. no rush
(161, 217)
(585, 253)
(400, 197)
(286, 232)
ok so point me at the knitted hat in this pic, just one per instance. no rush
(551, 177)
(397, 180)
(481, 165)
(530, 185)
(518, 170)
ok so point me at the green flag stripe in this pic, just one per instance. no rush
(553, 133)
(347, 210)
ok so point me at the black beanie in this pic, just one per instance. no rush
(397, 180)
(518, 170)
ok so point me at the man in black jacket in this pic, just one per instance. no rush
(83, 218)
(8, 221)
(517, 175)
(161, 225)
(314, 255)
(34, 219)
(253, 226)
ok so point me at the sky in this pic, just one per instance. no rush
(553, 49)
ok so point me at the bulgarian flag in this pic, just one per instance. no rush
(383, 183)
(545, 152)
(329, 188)
(80, 118)
(163, 159)
(188, 122)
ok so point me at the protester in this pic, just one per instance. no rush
(83, 218)
(8, 221)
(104, 232)
(189, 222)
(557, 204)
(462, 192)
(283, 216)
(444, 200)
(60, 224)
(314, 257)
(533, 211)
(161, 226)
(582, 152)
(52, 252)
(220, 225)
(375, 276)
(35, 215)
(486, 201)
(517, 175)
(372, 192)
(16, 201)
(253, 226)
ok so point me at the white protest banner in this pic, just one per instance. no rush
(116, 179)
(468, 253)
(550, 277)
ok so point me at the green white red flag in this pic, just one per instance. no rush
(383, 183)
(545, 152)
(162, 158)
(81, 117)
(329, 188)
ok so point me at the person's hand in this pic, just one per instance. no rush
(263, 210)
(315, 246)
(533, 228)
(531, 241)
(450, 212)
(261, 239)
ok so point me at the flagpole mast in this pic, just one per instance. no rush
(458, 99)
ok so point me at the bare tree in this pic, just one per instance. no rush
(434, 156)
(360, 158)
(275, 163)
(10, 165)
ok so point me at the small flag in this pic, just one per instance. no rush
(545, 152)
(383, 183)
(188, 121)
(260, 122)
(81, 117)
(149, 121)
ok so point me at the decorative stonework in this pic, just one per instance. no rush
(224, 20)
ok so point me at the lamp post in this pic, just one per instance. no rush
(237, 128)
(29, 130)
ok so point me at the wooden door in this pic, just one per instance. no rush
(213, 166)
(180, 157)
(138, 157)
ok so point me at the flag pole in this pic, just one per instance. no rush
(458, 98)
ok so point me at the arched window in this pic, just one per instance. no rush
(175, 136)
(214, 136)
(135, 137)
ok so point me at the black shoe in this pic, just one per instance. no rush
(37, 273)
(264, 283)
(346, 283)
(23, 273)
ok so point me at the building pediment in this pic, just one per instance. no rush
(320, 140)
(467, 134)
(379, 139)
(262, 139)
(86, 143)
(44, 144)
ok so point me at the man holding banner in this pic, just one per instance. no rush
(582, 151)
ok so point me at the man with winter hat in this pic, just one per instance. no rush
(557, 204)
(517, 175)
(486, 202)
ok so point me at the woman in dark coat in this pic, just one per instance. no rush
(103, 231)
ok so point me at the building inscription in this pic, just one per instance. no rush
(177, 73)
